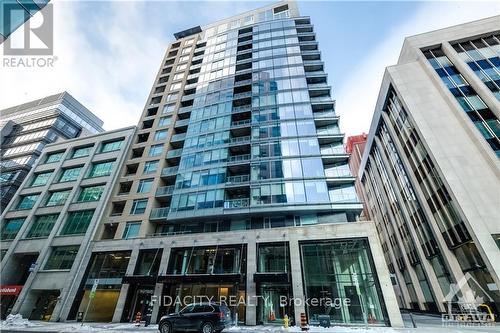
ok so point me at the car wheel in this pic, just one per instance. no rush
(207, 328)
(166, 328)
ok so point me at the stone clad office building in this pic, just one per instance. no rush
(431, 170)
(236, 186)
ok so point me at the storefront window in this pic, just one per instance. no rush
(340, 275)
(273, 258)
(148, 262)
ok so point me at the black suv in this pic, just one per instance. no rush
(199, 317)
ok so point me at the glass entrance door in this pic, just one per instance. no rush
(270, 310)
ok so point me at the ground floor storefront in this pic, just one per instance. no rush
(333, 272)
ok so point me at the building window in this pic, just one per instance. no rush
(145, 185)
(172, 97)
(92, 193)
(54, 157)
(7, 176)
(101, 169)
(139, 206)
(70, 174)
(77, 222)
(41, 179)
(151, 167)
(168, 108)
(160, 135)
(10, 228)
(81, 152)
(165, 121)
(42, 226)
(348, 263)
(148, 262)
(155, 150)
(27, 201)
(273, 258)
(111, 146)
(131, 230)
(57, 198)
(62, 257)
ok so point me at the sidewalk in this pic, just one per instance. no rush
(424, 323)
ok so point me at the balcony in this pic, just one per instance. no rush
(164, 191)
(184, 109)
(174, 153)
(242, 95)
(159, 213)
(237, 203)
(240, 140)
(238, 179)
(240, 123)
(239, 159)
(328, 130)
(178, 137)
(181, 123)
(242, 83)
(243, 108)
(332, 150)
(170, 171)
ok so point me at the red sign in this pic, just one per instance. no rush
(10, 290)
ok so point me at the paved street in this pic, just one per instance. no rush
(423, 323)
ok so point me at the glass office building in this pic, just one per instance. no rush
(238, 158)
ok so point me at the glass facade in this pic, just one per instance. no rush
(77, 222)
(41, 178)
(81, 152)
(91, 193)
(62, 257)
(111, 146)
(42, 226)
(476, 109)
(101, 169)
(57, 198)
(483, 57)
(70, 174)
(10, 228)
(339, 270)
(27, 201)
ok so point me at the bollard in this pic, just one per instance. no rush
(138, 318)
(303, 322)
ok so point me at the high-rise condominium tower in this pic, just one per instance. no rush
(237, 187)
(431, 169)
(25, 130)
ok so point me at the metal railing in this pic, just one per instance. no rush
(238, 179)
(159, 213)
(237, 203)
(165, 190)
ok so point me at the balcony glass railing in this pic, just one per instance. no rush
(242, 95)
(159, 213)
(239, 158)
(332, 150)
(338, 172)
(180, 123)
(240, 139)
(243, 108)
(329, 130)
(178, 137)
(165, 190)
(174, 153)
(237, 203)
(324, 114)
(238, 179)
(170, 171)
(241, 122)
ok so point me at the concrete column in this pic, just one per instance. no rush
(156, 306)
(120, 304)
(133, 260)
(391, 304)
(297, 285)
(251, 308)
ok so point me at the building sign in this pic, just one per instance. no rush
(12, 290)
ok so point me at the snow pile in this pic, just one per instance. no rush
(17, 321)
(312, 329)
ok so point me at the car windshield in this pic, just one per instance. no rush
(187, 309)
